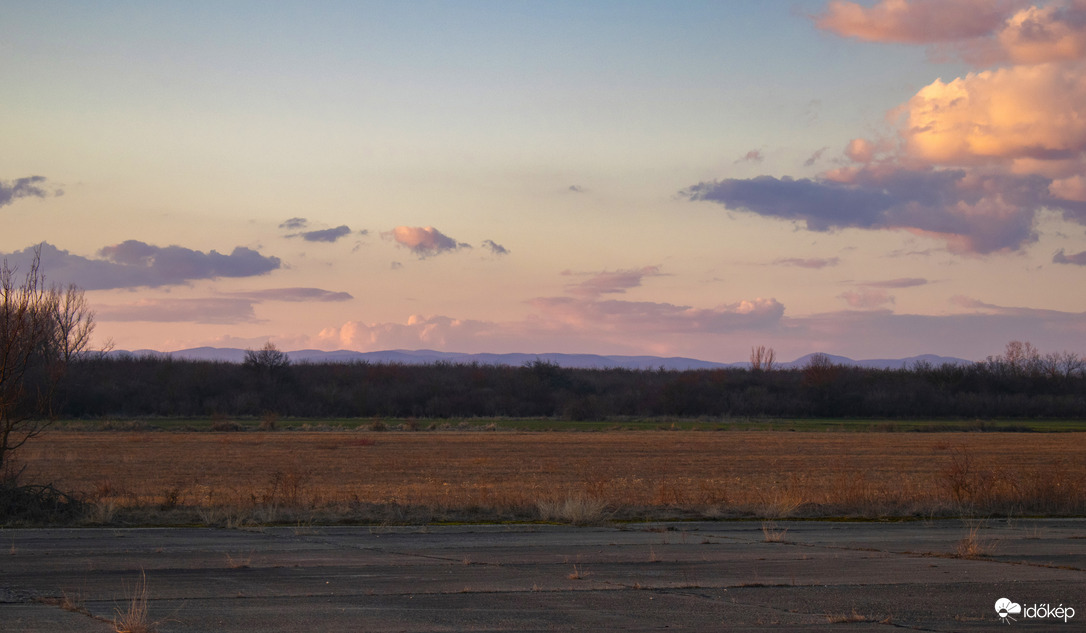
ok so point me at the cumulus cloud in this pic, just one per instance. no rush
(1021, 113)
(810, 262)
(867, 298)
(973, 160)
(1034, 35)
(294, 294)
(133, 263)
(424, 241)
(581, 322)
(208, 310)
(565, 324)
(29, 187)
(616, 282)
(916, 21)
(419, 331)
(1079, 259)
(495, 248)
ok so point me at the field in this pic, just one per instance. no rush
(365, 476)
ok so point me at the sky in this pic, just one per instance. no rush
(871, 179)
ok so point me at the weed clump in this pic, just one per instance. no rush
(576, 510)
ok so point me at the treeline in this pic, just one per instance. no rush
(1009, 386)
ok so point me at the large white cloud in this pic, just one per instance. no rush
(999, 116)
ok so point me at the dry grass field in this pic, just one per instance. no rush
(354, 476)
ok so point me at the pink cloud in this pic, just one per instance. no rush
(999, 116)
(424, 241)
(1034, 35)
(724, 334)
(567, 324)
(916, 21)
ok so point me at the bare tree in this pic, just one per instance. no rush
(762, 359)
(74, 323)
(267, 358)
(41, 330)
(1017, 359)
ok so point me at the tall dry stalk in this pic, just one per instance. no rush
(136, 619)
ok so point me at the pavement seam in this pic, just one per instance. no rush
(907, 553)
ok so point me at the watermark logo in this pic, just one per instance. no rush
(1006, 610)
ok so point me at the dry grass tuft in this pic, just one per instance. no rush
(577, 510)
(972, 545)
(770, 533)
(136, 619)
(850, 618)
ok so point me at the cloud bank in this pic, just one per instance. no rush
(578, 323)
(132, 263)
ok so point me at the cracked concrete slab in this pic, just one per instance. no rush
(701, 576)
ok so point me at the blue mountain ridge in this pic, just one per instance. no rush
(581, 361)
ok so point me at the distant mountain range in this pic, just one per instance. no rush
(585, 361)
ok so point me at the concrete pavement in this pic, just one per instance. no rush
(700, 576)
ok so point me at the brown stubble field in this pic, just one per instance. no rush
(253, 477)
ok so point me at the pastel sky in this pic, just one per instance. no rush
(872, 179)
